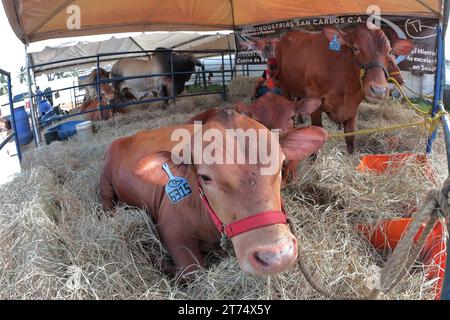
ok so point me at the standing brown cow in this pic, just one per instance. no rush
(226, 198)
(341, 79)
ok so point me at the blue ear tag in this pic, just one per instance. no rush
(177, 188)
(335, 45)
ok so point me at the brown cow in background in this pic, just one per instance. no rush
(91, 90)
(108, 98)
(309, 69)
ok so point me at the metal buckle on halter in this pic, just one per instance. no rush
(200, 191)
(225, 242)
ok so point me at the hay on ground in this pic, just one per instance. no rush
(55, 247)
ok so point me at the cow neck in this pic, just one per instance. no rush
(233, 229)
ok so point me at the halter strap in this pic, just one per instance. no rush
(366, 67)
(256, 221)
(394, 73)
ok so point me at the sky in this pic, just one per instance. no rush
(12, 55)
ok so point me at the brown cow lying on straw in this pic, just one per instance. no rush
(238, 202)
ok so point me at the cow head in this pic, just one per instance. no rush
(108, 93)
(238, 191)
(374, 55)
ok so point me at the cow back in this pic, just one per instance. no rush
(309, 69)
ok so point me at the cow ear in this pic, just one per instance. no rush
(300, 143)
(403, 47)
(204, 116)
(243, 109)
(330, 32)
(307, 106)
(149, 168)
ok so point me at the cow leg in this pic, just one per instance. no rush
(164, 93)
(349, 126)
(185, 251)
(107, 193)
(316, 118)
(171, 90)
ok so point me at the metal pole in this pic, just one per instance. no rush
(33, 104)
(445, 293)
(173, 77)
(224, 94)
(99, 94)
(13, 118)
(205, 86)
(231, 67)
(74, 95)
(437, 85)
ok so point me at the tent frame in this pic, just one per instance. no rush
(439, 93)
(13, 133)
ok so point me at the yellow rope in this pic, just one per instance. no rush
(429, 122)
(410, 103)
(425, 96)
(376, 130)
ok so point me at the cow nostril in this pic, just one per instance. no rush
(379, 91)
(260, 259)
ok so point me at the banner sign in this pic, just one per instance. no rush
(257, 43)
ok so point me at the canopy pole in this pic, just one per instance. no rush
(438, 86)
(33, 105)
(445, 293)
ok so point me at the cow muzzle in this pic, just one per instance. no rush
(266, 257)
(265, 260)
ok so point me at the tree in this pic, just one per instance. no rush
(3, 85)
(23, 75)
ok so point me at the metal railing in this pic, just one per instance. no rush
(13, 133)
(226, 74)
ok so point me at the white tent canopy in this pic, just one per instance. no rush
(92, 46)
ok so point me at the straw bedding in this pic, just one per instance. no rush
(54, 247)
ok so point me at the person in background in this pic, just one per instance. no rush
(266, 82)
(49, 95)
(39, 95)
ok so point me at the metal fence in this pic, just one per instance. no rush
(13, 133)
(218, 69)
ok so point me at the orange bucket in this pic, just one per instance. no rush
(382, 162)
(387, 234)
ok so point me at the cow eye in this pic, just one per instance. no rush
(204, 178)
(356, 50)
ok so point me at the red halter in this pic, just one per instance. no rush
(253, 222)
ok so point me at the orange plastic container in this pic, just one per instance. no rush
(382, 162)
(386, 235)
